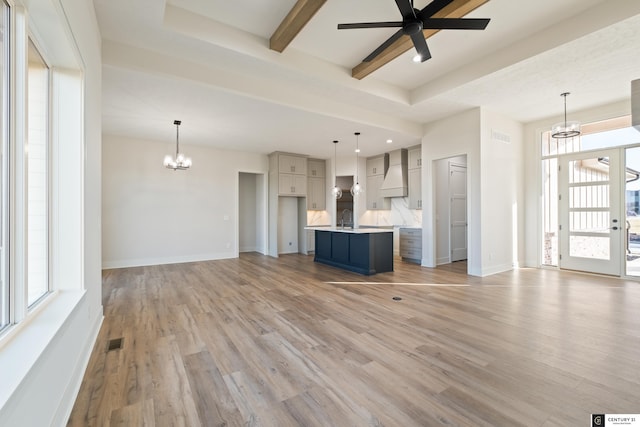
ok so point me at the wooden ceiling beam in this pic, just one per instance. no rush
(296, 19)
(456, 9)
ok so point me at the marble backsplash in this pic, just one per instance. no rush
(399, 216)
(318, 218)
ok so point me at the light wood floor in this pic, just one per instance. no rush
(258, 341)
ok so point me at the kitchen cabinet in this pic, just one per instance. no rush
(415, 178)
(374, 200)
(291, 174)
(415, 157)
(316, 194)
(316, 168)
(290, 164)
(363, 251)
(377, 165)
(415, 189)
(316, 185)
(376, 168)
(411, 244)
(292, 185)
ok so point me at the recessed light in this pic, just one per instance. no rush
(389, 141)
(357, 150)
(417, 58)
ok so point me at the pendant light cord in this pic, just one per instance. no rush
(357, 134)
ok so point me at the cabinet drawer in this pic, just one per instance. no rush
(411, 243)
(411, 253)
(411, 232)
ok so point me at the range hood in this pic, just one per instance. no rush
(635, 104)
(395, 181)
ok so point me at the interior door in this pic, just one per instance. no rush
(591, 222)
(458, 211)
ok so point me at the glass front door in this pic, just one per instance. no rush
(591, 224)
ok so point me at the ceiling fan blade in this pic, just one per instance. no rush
(454, 23)
(370, 25)
(432, 8)
(383, 46)
(406, 9)
(421, 46)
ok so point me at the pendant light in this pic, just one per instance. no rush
(357, 188)
(335, 191)
(181, 162)
(566, 129)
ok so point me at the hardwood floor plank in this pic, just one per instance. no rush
(259, 341)
(214, 403)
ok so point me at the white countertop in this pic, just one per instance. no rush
(352, 230)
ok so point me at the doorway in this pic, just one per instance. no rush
(451, 209)
(252, 213)
(344, 205)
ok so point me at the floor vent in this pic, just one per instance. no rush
(115, 344)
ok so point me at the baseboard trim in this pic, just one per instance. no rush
(63, 413)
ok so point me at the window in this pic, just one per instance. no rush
(37, 172)
(614, 132)
(4, 164)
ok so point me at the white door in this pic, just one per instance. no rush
(458, 211)
(591, 222)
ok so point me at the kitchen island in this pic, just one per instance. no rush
(361, 250)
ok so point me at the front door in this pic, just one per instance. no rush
(591, 221)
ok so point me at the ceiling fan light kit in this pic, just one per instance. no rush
(414, 22)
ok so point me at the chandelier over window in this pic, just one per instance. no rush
(357, 188)
(565, 129)
(180, 162)
(335, 191)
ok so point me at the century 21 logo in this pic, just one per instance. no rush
(597, 420)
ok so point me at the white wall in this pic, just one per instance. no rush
(495, 187)
(453, 136)
(53, 348)
(502, 190)
(153, 215)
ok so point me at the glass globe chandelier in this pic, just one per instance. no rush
(335, 191)
(180, 162)
(567, 129)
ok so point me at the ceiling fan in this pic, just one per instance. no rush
(412, 24)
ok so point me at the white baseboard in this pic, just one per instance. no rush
(124, 263)
(488, 271)
(443, 260)
(63, 412)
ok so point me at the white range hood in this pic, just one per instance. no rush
(395, 181)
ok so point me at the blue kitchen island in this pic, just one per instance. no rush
(361, 250)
